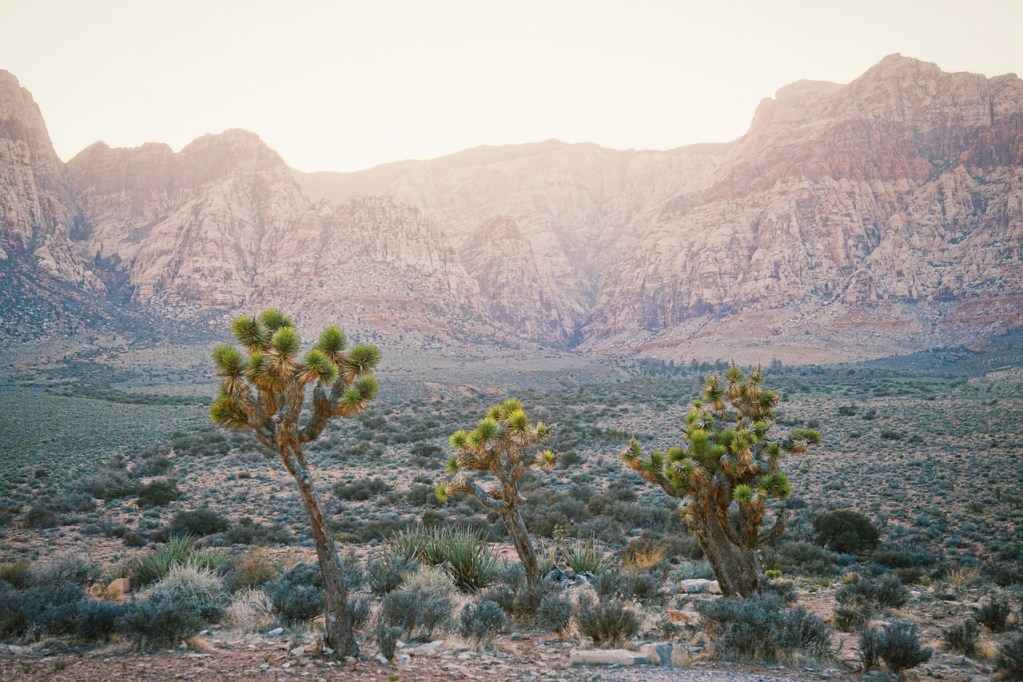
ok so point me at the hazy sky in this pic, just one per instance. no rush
(343, 85)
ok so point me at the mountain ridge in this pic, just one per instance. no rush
(888, 205)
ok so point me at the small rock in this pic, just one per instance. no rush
(713, 587)
(327, 651)
(607, 657)
(382, 661)
(694, 585)
(265, 666)
(276, 632)
(298, 651)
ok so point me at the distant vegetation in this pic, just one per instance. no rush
(914, 503)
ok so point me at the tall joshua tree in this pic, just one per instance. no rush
(264, 393)
(503, 444)
(727, 464)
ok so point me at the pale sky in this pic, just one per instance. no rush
(345, 85)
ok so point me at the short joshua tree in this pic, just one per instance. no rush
(264, 393)
(504, 444)
(725, 472)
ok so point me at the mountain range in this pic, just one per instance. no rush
(880, 216)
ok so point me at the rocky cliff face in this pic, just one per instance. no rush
(578, 207)
(851, 220)
(38, 213)
(222, 226)
(900, 188)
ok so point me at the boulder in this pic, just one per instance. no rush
(607, 657)
(119, 589)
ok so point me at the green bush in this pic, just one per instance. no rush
(387, 639)
(995, 614)
(16, 573)
(481, 622)
(297, 595)
(416, 612)
(386, 572)
(158, 623)
(963, 637)
(201, 522)
(1010, 658)
(845, 531)
(158, 494)
(761, 629)
(608, 622)
(873, 593)
(554, 612)
(898, 645)
(360, 490)
(39, 516)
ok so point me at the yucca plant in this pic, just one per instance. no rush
(728, 463)
(151, 567)
(462, 552)
(586, 556)
(263, 391)
(505, 445)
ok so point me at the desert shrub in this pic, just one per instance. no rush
(608, 622)
(801, 558)
(783, 588)
(518, 597)
(251, 568)
(554, 612)
(17, 573)
(153, 566)
(39, 516)
(610, 584)
(416, 612)
(884, 591)
(248, 532)
(871, 642)
(158, 494)
(994, 614)
(759, 628)
(72, 502)
(110, 486)
(688, 570)
(46, 607)
(852, 617)
(963, 637)
(96, 620)
(1010, 658)
(845, 531)
(463, 552)
(587, 556)
(297, 595)
(481, 622)
(387, 639)
(360, 490)
(201, 522)
(154, 466)
(250, 610)
(643, 554)
(196, 589)
(386, 572)
(67, 569)
(156, 623)
(898, 645)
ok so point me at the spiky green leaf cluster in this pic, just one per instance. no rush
(256, 384)
(503, 443)
(727, 452)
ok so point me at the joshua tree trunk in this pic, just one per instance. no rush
(735, 566)
(520, 536)
(340, 633)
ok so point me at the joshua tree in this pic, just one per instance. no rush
(264, 393)
(502, 444)
(725, 472)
